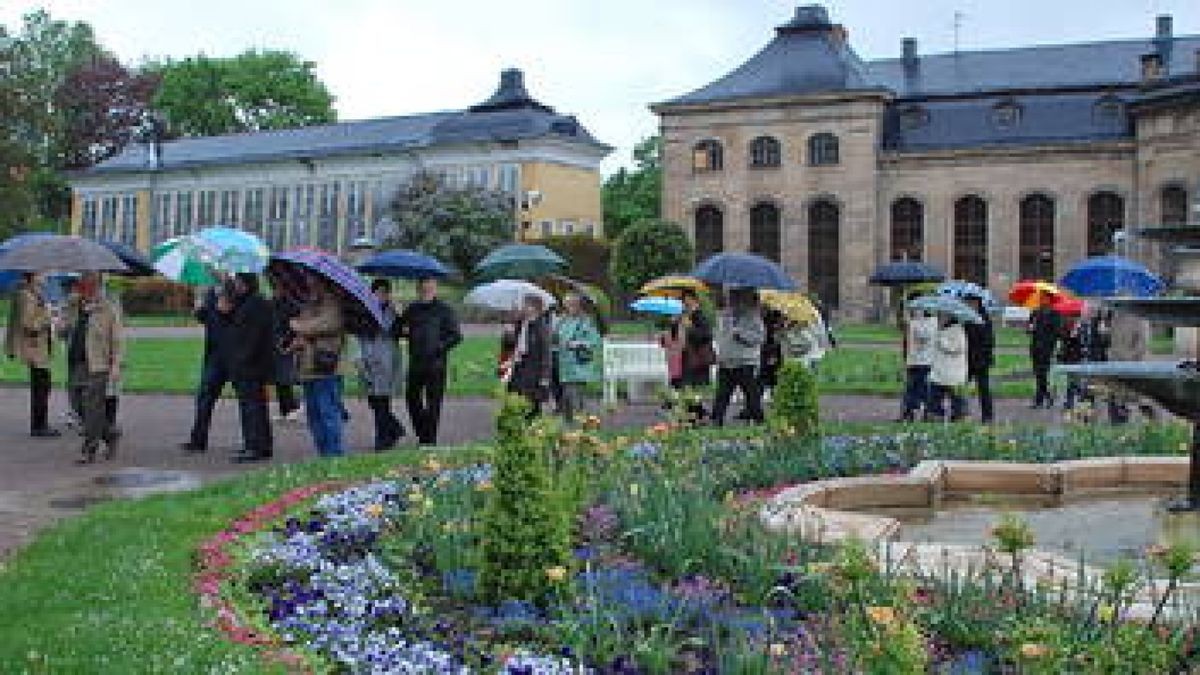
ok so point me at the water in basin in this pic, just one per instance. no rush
(1101, 529)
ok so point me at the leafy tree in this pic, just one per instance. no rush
(457, 225)
(587, 257)
(633, 196)
(102, 102)
(649, 249)
(254, 91)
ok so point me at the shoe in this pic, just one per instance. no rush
(191, 449)
(89, 454)
(45, 433)
(110, 447)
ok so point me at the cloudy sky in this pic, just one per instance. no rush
(604, 60)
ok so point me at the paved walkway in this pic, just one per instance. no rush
(40, 483)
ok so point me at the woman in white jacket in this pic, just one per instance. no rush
(948, 373)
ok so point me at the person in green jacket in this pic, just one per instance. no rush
(578, 352)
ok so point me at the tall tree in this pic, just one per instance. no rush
(457, 225)
(205, 96)
(634, 196)
(16, 201)
(103, 103)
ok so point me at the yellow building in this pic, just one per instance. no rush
(330, 185)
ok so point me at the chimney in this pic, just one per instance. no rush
(910, 58)
(1152, 67)
(1163, 27)
(1164, 36)
(839, 35)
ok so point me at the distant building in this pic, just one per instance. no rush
(994, 165)
(329, 186)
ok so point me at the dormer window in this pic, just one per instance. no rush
(1006, 114)
(1109, 109)
(765, 153)
(913, 117)
(707, 155)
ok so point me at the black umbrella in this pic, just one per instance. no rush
(904, 272)
(138, 264)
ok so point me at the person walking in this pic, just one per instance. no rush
(948, 372)
(29, 337)
(283, 310)
(1072, 350)
(381, 369)
(578, 341)
(697, 353)
(319, 340)
(920, 334)
(532, 356)
(981, 348)
(214, 372)
(249, 358)
(1045, 330)
(740, 335)
(432, 331)
(94, 351)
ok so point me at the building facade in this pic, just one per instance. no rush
(329, 186)
(992, 165)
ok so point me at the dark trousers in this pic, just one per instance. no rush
(426, 386)
(983, 382)
(94, 399)
(285, 398)
(388, 428)
(39, 399)
(916, 390)
(252, 412)
(213, 377)
(741, 377)
(1041, 378)
(936, 409)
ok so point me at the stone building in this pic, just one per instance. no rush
(329, 185)
(994, 165)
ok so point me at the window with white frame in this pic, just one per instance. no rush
(108, 218)
(230, 213)
(356, 209)
(160, 224)
(127, 233)
(277, 217)
(206, 214)
(547, 228)
(185, 221)
(509, 178)
(254, 215)
(91, 218)
(327, 221)
(304, 210)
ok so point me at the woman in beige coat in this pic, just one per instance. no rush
(948, 373)
(319, 342)
(28, 338)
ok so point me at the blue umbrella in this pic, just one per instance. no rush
(362, 311)
(656, 304)
(967, 289)
(904, 272)
(743, 270)
(404, 264)
(1112, 276)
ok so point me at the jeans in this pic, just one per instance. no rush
(388, 428)
(984, 383)
(252, 411)
(426, 386)
(213, 377)
(39, 399)
(916, 390)
(740, 377)
(323, 408)
(936, 408)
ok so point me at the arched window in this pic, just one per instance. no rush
(764, 231)
(1173, 201)
(908, 229)
(765, 153)
(707, 155)
(822, 149)
(970, 239)
(824, 250)
(1105, 217)
(709, 231)
(1037, 238)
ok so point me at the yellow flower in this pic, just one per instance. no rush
(1034, 650)
(882, 615)
(777, 649)
(556, 574)
(374, 510)
(634, 489)
(1105, 612)
(820, 567)
(483, 485)
(433, 465)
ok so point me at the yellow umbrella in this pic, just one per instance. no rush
(672, 286)
(793, 305)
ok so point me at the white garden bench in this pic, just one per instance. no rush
(638, 364)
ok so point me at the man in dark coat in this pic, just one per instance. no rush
(1045, 329)
(981, 343)
(213, 371)
(432, 331)
(249, 350)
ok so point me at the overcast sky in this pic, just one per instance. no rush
(603, 60)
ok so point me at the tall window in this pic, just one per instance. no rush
(255, 210)
(1105, 217)
(765, 236)
(185, 221)
(509, 179)
(1173, 202)
(708, 155)
(356, 210)
(207, 212)
(1037, 238)
(765, 152)
(91, 217)
(303, 210)
(108, 219)
(970, 239)
(277, 217)
(824, 252)
(230, 211)
(127, 232)
(908, 229)
(709, 232)
(823, 149)
(327, 218)
(161, 225)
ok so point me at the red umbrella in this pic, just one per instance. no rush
(1068, 305)
(1028, 293)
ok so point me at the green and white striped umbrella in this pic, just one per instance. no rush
(180, 259)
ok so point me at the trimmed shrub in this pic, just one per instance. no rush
(647, 250)
(587, 257)
(154, 296)
(795, 404)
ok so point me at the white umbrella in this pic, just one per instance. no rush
(505, 294)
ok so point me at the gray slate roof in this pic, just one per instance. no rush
(502, 118)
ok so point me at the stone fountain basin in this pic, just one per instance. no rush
(829, 511)
(1174, 387)
(1168, 311)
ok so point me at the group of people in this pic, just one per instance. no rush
(941, 355)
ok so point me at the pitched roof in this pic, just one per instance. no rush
(503, 117)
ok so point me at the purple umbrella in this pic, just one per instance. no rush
(287, 272)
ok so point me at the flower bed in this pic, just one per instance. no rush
(670, 569)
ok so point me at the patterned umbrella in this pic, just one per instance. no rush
(520, 261)
(743, 270)
(946, 305)
(793, 305)
(967, 289)
(404, 264)
(232, 250)
(657, 304)
(180, 260)
(1028, 293)
(289, 272)
(672, 285)
(60, 253)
